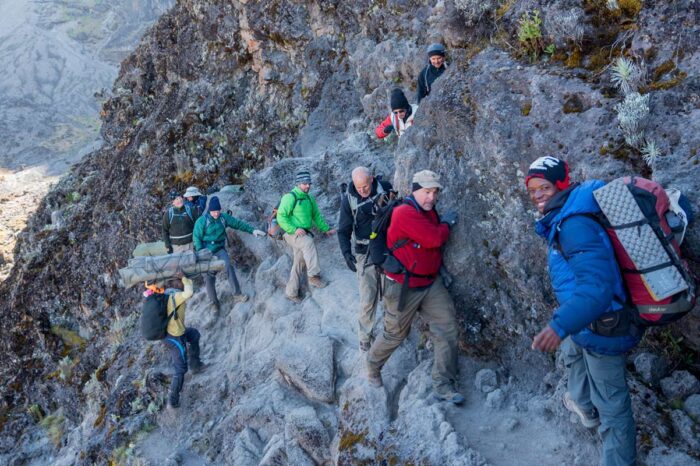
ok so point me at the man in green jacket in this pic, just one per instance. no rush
(210, 233)
(296, 215)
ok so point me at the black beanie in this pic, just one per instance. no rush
(552, 169)
(399, 100)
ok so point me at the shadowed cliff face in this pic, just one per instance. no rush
(231, 92)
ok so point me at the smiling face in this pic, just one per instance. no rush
(540, 192)
(178, 202)
(305, 187)
(437, 60)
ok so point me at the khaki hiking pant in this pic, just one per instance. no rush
(437, 311)
(369, 297)
(305, 257)
(183, 247)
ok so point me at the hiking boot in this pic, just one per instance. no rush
(365, 345)
(198, 367)
(374, 378)
(317, 282)
(240, 298)
(450, 395)
(589, 418)
(295, 299)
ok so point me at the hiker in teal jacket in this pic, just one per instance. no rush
(210, 232)
(297, 214)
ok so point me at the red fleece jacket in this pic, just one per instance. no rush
(422, 253)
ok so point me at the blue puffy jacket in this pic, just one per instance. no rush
(582, 267)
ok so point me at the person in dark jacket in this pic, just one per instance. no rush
(358, 208)
(210, 233)
(432, 71)
(422, 234)
(178, 224)
(195, 199)
(400, 118)
(589, 288)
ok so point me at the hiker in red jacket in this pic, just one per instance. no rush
(400, 118)
(416, 235)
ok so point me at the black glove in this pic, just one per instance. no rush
(351, 261)
(170, 250)
(388, 129)
(450, 218)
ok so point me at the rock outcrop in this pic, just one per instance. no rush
(244, 92)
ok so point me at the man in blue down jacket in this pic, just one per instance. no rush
(591, 295)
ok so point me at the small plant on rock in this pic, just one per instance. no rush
(630, 115)
(626, 75)
(530, 34)
(651, 153)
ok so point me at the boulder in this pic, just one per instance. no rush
(680, 385)
(650, 367)
(486, 380)
(307, 365)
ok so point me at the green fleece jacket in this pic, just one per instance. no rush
(302, 215)
(213, 235)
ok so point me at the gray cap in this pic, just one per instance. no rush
(436, 49)
(192, 191)
(427, 179)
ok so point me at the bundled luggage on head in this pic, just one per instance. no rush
(147, 268)
(645, 229)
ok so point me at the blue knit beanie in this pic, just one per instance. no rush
(214, 204)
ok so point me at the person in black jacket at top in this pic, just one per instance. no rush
(178, 224)
(432, 71)
(358, 207)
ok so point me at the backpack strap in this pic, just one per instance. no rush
(188, 211)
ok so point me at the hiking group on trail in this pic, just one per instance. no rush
(395, 248)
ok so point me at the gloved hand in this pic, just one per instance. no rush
(351, 261)
(450, 218)
(259, 233)
(447, 277)
(388, 129)
(170, 250)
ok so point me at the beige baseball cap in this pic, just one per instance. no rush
(427, 179)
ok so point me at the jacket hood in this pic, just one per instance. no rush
(575, 200)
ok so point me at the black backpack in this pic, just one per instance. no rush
(154, 316)
(377, 251)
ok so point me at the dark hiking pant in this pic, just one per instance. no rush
(210, 278)
(181, 358)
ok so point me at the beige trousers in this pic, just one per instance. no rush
(369, 296)
(305, 257)
(437, 311)
(183, 247)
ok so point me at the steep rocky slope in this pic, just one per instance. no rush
(230, 92)
(57, 58)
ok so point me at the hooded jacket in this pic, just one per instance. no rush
(360, 221)
(427, 76)
(582, 268)
(400, 125)
(302, 214)
(422, 253)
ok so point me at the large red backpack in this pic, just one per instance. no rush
(636, 214)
